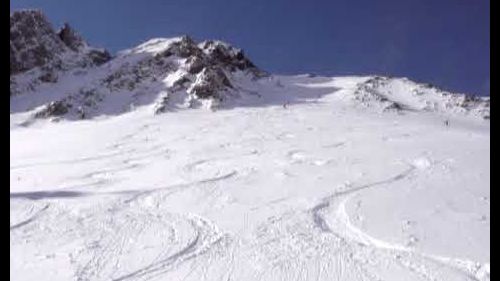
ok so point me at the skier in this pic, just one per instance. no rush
(446, 123)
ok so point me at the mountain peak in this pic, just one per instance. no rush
(35, 44)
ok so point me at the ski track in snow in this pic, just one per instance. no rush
(341, 223)
(164, 200)
(30, 219)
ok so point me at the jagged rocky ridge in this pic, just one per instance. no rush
(56, 73)
(35, 45)
(81, 79)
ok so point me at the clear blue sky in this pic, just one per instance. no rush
(444, 42)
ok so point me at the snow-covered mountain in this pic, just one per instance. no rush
(283, 178)
(58, 74)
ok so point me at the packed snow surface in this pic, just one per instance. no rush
(293, 181)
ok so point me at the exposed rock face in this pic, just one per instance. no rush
(98, 57)
(226, 56)
(183, 48)
(34, 43)
(70, 38)
(56, 108)
(209, 83)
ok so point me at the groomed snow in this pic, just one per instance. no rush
(318, 189)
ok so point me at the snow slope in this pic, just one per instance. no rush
(296, 178)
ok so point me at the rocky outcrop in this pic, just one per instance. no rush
(34, 44)
(209, 83)
(227, 56)
(55, 108)
(70, 38)
(371, 93)
(401, 94)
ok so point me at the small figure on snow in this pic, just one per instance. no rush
(285, 105)
(446, 123)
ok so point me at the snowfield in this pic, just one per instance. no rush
(295, 180)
